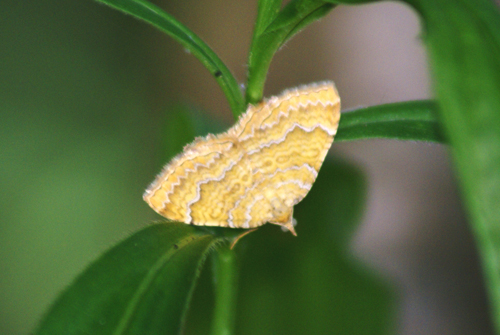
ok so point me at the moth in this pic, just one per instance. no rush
(256, 171)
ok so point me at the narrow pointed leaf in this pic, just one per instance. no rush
(412, 120)
(158, 18)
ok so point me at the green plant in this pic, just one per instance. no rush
(144, 284)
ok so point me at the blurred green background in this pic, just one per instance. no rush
(84, 95)
(76, 143)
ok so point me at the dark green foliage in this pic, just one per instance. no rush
(141, 286)
(413, 120)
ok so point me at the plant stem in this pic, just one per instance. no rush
(225, 271)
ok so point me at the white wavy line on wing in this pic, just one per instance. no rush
(296, 108)
(293, 167)
(179, 178)
(283, 138)
(204, 181)
(290, 108)
(305, 186)
(249, 209)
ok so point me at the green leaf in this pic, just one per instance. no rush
(290, 20)
(266, 13)
(297, 15)
(412, 120)
(463, 40)
(141, 286)
(163, 21)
